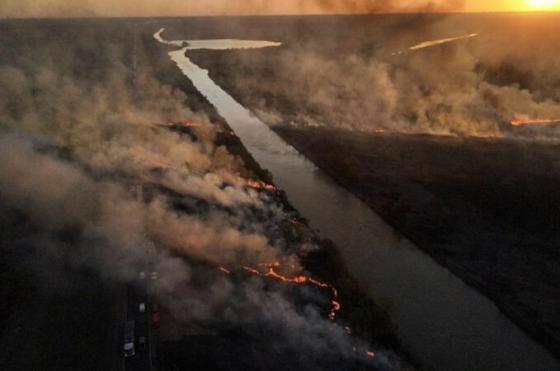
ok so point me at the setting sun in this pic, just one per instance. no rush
(542, 4)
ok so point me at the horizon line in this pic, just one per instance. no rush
(162, 16)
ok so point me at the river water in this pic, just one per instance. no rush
(445, 324)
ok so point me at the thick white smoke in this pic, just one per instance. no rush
(471, 86)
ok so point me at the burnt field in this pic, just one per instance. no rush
(91, 107)
(486, 209)
(103, 106)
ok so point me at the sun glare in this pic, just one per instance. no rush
(542, 4)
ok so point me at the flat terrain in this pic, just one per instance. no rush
(59, 313)
(366, 318)
(57, 317)
(486, 209)
(56, 313)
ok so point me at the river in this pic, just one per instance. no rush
(445, 324)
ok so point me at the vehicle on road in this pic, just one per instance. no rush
(128, 347)
(129, 350)
(154, 276)
(142, 307)
(142, 275)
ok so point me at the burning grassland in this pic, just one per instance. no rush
(534, 122)
(444, 84)
(116, 173)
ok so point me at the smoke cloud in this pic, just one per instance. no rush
(379, 6)
(381, 81)
(146, 8)
(89, 161)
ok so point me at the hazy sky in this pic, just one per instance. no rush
(39, 8)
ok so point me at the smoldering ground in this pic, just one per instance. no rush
(79, 137)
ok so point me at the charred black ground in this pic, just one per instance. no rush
(487, 209)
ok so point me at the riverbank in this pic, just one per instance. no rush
(444, 323)
(485, 209)
(366, 318)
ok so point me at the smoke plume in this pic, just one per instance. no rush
(90, 162)
(383, 81)
(379, 6)
(128, 8)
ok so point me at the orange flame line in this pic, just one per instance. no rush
(257, 184)
(298, 280)
(524, 122)
(271, 273)
(224, 270)
(192, 125)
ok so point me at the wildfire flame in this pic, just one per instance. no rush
(192, 124)
(224, 270)
(300, 280)
(528, 122)
(260, 185)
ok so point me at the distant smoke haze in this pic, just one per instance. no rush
(147, 8)
(438, 74)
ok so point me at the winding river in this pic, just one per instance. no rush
(444, 323)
